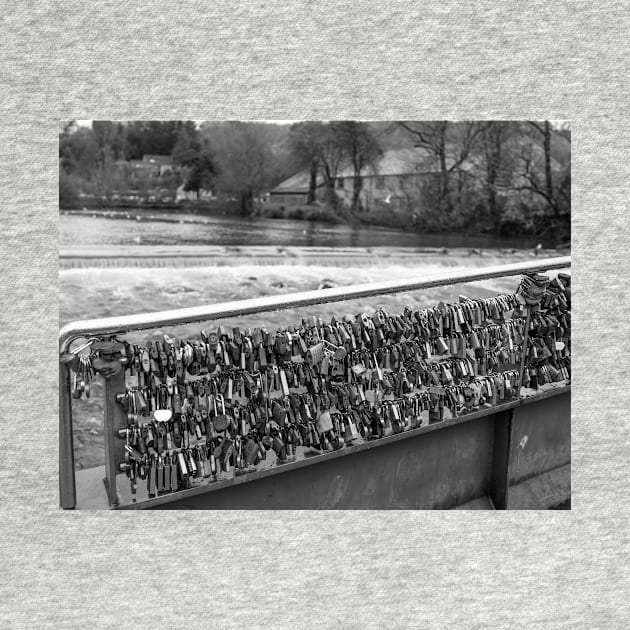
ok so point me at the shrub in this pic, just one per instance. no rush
(314, 212)
(294, 213)
(68, 192)
(272, 211)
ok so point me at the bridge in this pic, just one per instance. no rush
(512, 455)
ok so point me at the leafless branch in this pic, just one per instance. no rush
(472, 132)
(429, 144)
(536, 126)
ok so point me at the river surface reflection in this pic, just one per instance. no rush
(146, 227)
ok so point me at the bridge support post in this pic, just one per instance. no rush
(67, 488)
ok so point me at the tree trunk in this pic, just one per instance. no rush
(312, 185)
(493, 206)
(330, 187)
(444, 179)
(332, 196)
(356, 192)
(493, 159)
(247, 203)
(547, 149)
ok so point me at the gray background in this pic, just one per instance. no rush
(258, 60)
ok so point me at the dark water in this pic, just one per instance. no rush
(146, 227)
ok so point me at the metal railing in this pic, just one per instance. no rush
(144, 321)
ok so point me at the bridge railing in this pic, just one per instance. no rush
(95, 328)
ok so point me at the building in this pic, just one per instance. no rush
(192, 195)
(401, 179)
(294, 191)
(396, 181)
(152, 165)
(162, 163)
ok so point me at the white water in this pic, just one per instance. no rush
(101, 292)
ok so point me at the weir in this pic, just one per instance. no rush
(510, 456)
(156, 256)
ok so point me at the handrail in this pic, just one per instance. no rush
(143, 321)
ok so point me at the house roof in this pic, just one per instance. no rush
(393, 162)
(298, 183)
(398, 162)
(409, 161)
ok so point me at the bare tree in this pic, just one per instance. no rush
(303, 142)
(497, 162)
(556, 195)
(544, 130)
(243, 157)
(549, 182)
(319, 144)
(362, 149)
(435, 137)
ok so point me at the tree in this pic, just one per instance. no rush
(450, 144)
(78, 151)
(203, 170)
(161, 136)
(361, 148)
(538, 181)
(498, 164)
(68, 191)
(153, 137)
(326, 147)
(196, 159)
(187, 147)
(244, 159)
(319, 145)
(303, 142)
(545, 130)
(110, 137)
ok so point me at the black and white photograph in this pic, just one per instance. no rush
(315, 315)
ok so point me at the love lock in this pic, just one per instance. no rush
(70, 360)
(281, 344)
(105, 368)
(162, 415)
(221, 420)
(108, 361)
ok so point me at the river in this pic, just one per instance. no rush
(152, 227)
